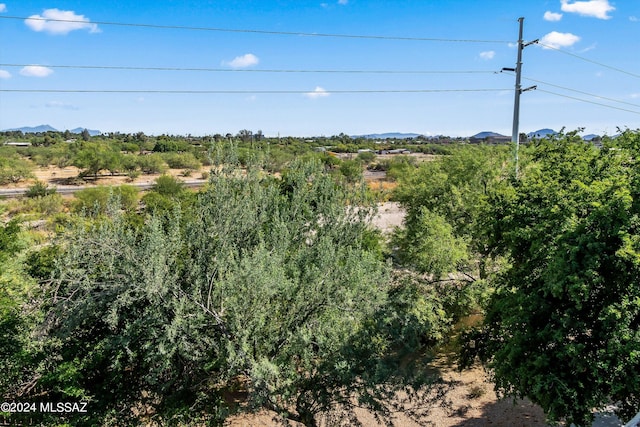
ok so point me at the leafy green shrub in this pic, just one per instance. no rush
(366, 157)
(277, 160)
(168, 185)
(92, 157)
(14, 170)
(182, 161)
(165, 145)
(97, 199)
(429, 245)
(563, 327)
(129, 163)
(41, 263)
(132, 175)
(59, 154)
(156, 203)
(46, 205)
(266, 279)
(351, 170)
(152, 163)
(39, 189)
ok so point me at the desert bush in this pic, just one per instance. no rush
(14, 170)
(97, 199)
(366, 157)
(351, 170)
(182, 161)
(268, 280)
(168, 185)
(39, 189)
(152, 163)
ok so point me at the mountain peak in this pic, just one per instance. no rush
(48, 128)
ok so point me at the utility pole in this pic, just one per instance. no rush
(515, 136)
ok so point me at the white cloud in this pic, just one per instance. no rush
(4, 74)
(343, 2)
(552, 16)
(61, 105)
(35, 71)
(593, 8)
(244, 61)
(318, 92)
(62, 22)
(633, 18)
(635, 95)
(557, 40)
(3, 7)
(487, 55)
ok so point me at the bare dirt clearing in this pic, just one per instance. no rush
(470, 402)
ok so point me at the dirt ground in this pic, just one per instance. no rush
(470, 402)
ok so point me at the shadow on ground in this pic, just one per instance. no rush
(504, 413)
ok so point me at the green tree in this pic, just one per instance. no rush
(564, 326)
(182, 161)
(98, 199)
(165, 145)
(427, 243)
(93, 157)
(453, 190)
(14, 169)
(39, 189)
(18, 311)
(271, 286)
(168, 185)
(351, 170)
(366, 157)
(152, 163)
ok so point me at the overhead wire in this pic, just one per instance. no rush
(244, 70)
(582, 58)
(246, 91)
(588, 101)
(253, 31)
(579, 91)
(308, 34)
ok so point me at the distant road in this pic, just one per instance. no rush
(11, 193)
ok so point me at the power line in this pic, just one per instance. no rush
(619, 70)
(589, 102)
(581, 92)
(233, 70)
(303, 92)
(250, 31)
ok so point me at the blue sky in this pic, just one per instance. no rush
(598, 42)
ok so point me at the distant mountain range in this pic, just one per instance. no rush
(47, 128)
(541, 133)
(486, 134)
